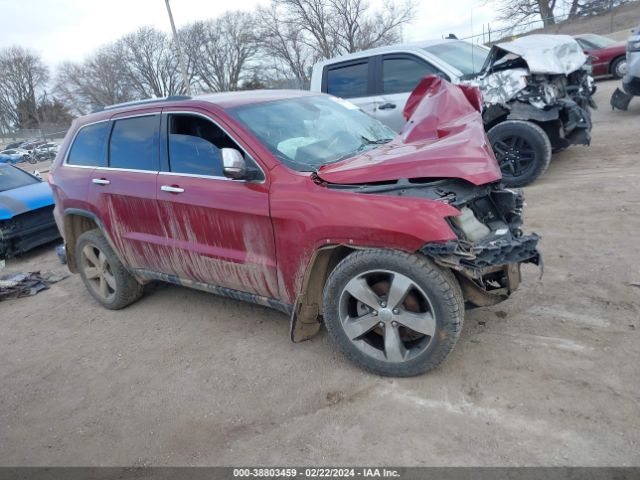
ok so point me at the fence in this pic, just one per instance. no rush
(491, 35)
(49, 133)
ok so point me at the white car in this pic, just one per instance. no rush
(47, 150)
(17, 151)
(380, 80)
(536, 90)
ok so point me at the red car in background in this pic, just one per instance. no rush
(609, 56)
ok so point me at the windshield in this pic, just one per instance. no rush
(466, 57)
(12, 177)
(308, 132)
(596, 41)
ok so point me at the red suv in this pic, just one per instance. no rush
(300, 202)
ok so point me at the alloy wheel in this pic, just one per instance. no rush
(97, 271)
(515, 156)
(387, 315)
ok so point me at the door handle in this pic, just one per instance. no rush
(387, 106)
(101, 181)
(170, 189)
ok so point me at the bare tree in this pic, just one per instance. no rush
(516, 11)
(23, 77)
(220, 49)
(300, 32)
(100, 80)
(289, 53)
(355, 30)
(579, 8)
(151, 63)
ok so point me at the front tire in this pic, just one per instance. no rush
(523, 151)
(619, 67)
(103, 274)
(393, 313)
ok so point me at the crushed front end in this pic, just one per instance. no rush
(491, 245)
(544, 79)
(28, 230)
(442, 156)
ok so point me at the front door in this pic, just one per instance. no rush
(218, 231)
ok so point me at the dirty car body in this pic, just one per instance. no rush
(314, 191)
(540, 78)
(26, 212)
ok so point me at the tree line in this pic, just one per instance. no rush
(272, 47)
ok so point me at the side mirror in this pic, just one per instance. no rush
(233, 164)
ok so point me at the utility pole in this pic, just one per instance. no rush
(181, 59)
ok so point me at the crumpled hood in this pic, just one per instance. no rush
(23, 199)
(544, 54)
(443, 138)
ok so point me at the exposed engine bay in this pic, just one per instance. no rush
(541, 78)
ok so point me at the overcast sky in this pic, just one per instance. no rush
(70, 29)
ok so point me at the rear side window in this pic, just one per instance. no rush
(401, 75)
(349, 81)
(88, 147)
(134, 143)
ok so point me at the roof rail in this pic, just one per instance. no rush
(170, 98)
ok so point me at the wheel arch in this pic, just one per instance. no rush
(613, 61)
(75, 223)
(305, 318)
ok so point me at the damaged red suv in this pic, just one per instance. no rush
(303, 203)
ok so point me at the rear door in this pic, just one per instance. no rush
(123, 193)
(396, 76)
(217, 230)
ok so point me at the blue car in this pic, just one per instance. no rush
(11, 158)
(26, 212)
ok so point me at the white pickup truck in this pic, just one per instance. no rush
(537, 91)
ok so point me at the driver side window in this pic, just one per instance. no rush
(195, 145)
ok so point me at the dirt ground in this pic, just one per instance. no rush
(182, 377)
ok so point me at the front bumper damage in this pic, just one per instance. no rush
(488, 268)
(488, 271)
(26, 231)
(541, 79)
(490, 245)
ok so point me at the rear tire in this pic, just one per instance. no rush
(523, 151)
(107, 280)
(411, 335)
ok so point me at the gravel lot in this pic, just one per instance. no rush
(549, 377)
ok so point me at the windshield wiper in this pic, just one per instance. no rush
(367, 141)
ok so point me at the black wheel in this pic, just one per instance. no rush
(619, 67)
(393, 313)
(523, 151)
(103, 274)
